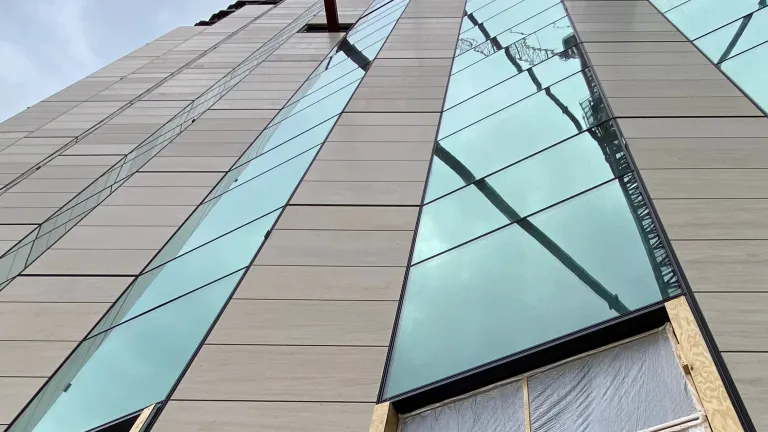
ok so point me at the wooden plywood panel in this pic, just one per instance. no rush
(384, 418)
(714, 398)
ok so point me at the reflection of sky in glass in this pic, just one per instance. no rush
(697, 17)
(543, 180)
(497, 67)
(504, 293)
(474, 46)
(512, 134)
(127, 369)
(508, 92)
(490, 10)
(749, 71)
(716, 43)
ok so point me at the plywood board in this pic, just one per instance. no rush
(384, 418)
(717, 405)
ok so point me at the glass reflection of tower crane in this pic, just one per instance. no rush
(739, 32)
(594, 111)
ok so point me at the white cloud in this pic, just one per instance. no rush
(65, 18)
(20, 79)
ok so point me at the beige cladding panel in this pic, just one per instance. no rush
(284, 373)
(325, 285)
(62, 294)
(14, 393)
(223, 416)
(701, 148)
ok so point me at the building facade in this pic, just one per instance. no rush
(451, 215)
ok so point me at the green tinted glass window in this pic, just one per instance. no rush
(665, 5)
(511, 290)
(190, 271)
(489, 10)
(736, 37)
(516, 88)
(501, 65)
(127, 368)
(547, 117)
(479, 42)
(750, 71)
(553, 175)
(698, 17)
(238, 206)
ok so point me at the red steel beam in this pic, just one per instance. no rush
(332, 16)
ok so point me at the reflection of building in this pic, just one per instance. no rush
(255, 224)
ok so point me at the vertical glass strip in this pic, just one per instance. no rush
(535, 225)
(138, 350)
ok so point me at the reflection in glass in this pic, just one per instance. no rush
(299, 122)
(485, 39)
(665, 5)
(488, 10)
(477, 106)
(564, 269)
(547, 117)
(196, 268)
(149, 335)
(237, 207)
(127, 368)
(749, 71)
(698, 17)
(553, 175)
(273, 154)
(736, 37)
(552, 40)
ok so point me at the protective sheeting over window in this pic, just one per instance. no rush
(635, 386)
(497, 410)
(630, 387)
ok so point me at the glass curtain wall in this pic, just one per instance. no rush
(533, 225)
(733, 34)
(137, 352)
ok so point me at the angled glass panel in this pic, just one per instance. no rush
(524, 15)
(736, 37)
(299, 122)
(520, 86)
(521, 286)
(547, 117)
(750, 71)
(468, 52)
(377, 29)
(553, 175)
(665, 5)
(552, 40)
(127, 368)
(493, 9)
(473, 5)
(273, 157)
(189, 271)
(382, 12)
(488, 10)
(303, 115)
(698, 17)
(237, 207)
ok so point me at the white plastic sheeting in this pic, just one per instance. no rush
(630, 387)
(497, 410)
(627, 388)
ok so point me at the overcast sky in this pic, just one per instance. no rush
(46, 45)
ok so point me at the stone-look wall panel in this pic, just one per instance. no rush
(326, 283)
(702, 150)
(57, 300)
